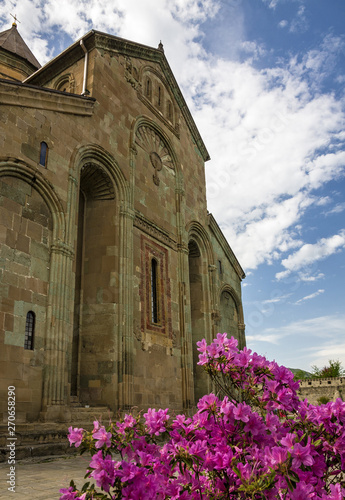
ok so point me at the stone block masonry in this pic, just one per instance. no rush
(330, 388)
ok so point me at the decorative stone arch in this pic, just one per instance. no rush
(145, 121)
(200, 266)
(15, 168)
(154, 137)
(228, 289)
(195, 230)
(95, 154)
(65, 83)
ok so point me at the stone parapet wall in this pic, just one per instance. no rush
(313, 389)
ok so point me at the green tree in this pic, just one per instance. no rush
(333, 369)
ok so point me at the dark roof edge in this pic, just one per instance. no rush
(225, 245)
(134, 49)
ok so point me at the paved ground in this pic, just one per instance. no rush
(41, 478)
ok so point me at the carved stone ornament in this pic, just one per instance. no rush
(157, 165)
(152, 143)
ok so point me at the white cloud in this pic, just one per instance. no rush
(300, 22)
(309, 297)
(325, 335)
(307, 277)
(320, 326)
(310, 253)
(321, 355)
(277, 299)
(148, 21)
(269, 338)
(283, 23)
(272, 4)
(337, 209)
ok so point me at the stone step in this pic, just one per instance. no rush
(49, 438)
(89, 414)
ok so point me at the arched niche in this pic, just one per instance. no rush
(198, 313)
(33, 225)
(65, 83)
(96, 295)
(231, 314)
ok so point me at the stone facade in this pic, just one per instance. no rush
(105, 236)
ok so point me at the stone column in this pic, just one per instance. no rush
(125, 333)
(241, 335)
(59, 322)
(55, 390)
(184, 313)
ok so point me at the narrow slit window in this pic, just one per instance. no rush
(29, 331)
(154, 292)
(159, 96)
(148, 88)
(170, 112)
(43, 154)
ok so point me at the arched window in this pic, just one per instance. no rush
(65, 83)
(154, 292)
(43, 154)
(29, 331)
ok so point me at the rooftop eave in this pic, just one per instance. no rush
(30, 96)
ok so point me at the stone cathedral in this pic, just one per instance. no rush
(111, 267)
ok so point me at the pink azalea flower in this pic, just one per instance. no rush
(95, 426)
(301, 455)
(203, 359)
(288, 440)
(208, 401)
(303, 491)
(213, 351)
(75, 436)
(221, 339)
(68, 493)
(242, 412)
(156, 420)
(276, 455)
(102, 437)
(337, 493)
(202, 346)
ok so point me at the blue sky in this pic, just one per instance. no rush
(264, 80)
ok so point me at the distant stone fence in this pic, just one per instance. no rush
(315, 388)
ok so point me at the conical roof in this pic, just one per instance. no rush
(11, 41)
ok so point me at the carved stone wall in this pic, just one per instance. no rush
(314, 389)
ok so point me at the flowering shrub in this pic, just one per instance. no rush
(253, 440)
